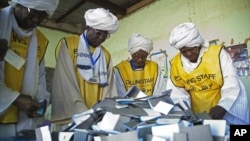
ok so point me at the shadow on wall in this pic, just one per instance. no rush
(49, 78)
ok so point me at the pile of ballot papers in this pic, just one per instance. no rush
(137, 117)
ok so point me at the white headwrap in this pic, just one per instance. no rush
(137, 42)
(185, 35)
(101, 19)
(42, 5)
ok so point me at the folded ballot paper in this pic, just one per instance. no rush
(113, 123)
(135, 92)
(138, 117)
(43, 134)
(125, 136)
(166, 131)
(198, 133)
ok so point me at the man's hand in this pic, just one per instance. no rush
(217, 112)
(27, 104)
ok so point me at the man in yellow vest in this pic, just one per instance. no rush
(83, 72)
(204, 76)
(23, 72)
(139, 71)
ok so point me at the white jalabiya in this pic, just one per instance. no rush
(34, 82)
(96, 71)
(233, 93)
(67, 98)
(233, 97)
(135, 43)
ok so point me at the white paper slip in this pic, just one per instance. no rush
(135, 92)
(163, 107)
(119, 106)
(141, 95)
(125, 136)
(65, 136)
(12, 58)
(109, 121)
(151, 114)
(79, 118)
(166, 131)
(218, 127)
(167, 121)
(43, 134)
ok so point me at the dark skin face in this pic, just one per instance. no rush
(191, 53)
(139, 58)
(96, 37)
(29, 18)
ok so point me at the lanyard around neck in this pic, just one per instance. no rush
(93, 61)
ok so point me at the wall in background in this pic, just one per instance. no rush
(216, 19)
(54, 37)
(223, 20)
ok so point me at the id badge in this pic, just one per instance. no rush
(12, 58)
(43, 106)
(94, 78)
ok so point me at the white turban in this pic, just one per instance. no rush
(137, 42)
(41, 5)
(101, 19)
(185, 35)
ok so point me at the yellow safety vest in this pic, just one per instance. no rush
(203, 83)
(144, 79)
(13, 78)
(90, 92)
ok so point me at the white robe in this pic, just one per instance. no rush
(66, 96)
(233, 93)
(36, 78)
